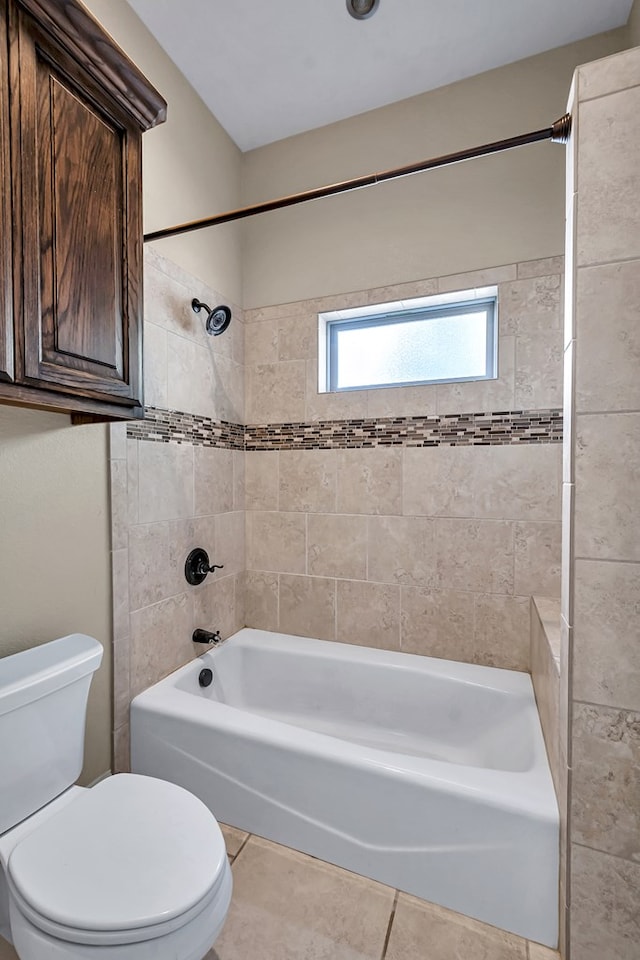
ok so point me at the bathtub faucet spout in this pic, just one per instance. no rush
(205, 636)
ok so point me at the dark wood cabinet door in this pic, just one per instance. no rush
(6, 280)
(79, 157)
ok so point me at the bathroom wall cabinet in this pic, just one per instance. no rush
(73, 109)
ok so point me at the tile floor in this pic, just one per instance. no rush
(288, 906)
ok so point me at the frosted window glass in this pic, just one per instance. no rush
(449, 347)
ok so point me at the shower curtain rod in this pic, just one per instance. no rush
(557, 133)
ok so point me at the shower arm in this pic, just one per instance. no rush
(558, 132)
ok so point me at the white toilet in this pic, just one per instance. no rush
(132, 869)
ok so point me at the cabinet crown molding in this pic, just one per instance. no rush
(87, 42)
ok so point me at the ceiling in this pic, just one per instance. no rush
(268, 69)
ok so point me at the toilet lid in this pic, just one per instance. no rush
(131, 852)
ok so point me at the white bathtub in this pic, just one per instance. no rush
(428, 775)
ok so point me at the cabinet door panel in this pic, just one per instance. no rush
(80, 183)
(80, 172)
(6, 277)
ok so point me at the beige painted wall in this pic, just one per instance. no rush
(492, 211)
(54, 547)
(633, 25)
(191, 166)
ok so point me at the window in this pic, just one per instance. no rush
(439, 339)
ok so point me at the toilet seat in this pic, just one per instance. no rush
(131, 859)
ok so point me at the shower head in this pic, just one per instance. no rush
(218, 318)
(362, 9)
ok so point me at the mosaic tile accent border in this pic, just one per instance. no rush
(468, 429)
(172, 426)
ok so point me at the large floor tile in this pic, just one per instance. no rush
(233, 838)
(287, 906)
(422, 931)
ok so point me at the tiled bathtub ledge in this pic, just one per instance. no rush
(469, 429)
(545, 673)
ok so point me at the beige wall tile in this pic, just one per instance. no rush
(185, 365)
(120, 588)
(538, 559)
(610, 74)
(477, 278)
(541, 268)
(478, 396)
(569, 413)
(448, 935)
(350, 404)
(607, 633)
(225, 379)
(436, 623)
(165, 481)
(276, 542)
(119, 504)
(160, 640)
(132, 480)
(545, 674)
(155, 366)
(402, 550)
(276, 392)
(605, 921)
(212, 480)
(261, 343)
(369, 481)
(214, 606)
(261, 479)
(567, 551)
(539, 370)
(475, 555)
(368, 614)
(149, 571)
(606, 774)
(184, 536)
(230, 542)
(118, 441)
(261, 600)
(531, 306)
(501, 631)
(608, 358)
(166, 301)
(337, 546)
(609, 183)
(606, 500)
(121, 676)
(286, 905)
(516, 481)
(307, 606)
(298, 337)
(238, 480)
(308, 480)
(401, 291)
(439, 481)
(537, 952)
(121, 749)
(402, 401)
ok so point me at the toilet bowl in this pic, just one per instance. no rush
(133, 868)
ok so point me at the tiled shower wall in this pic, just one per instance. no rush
(601, 550)
(420, 519)
(169, 497)
(428, 535)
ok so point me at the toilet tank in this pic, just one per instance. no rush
(43, 701)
